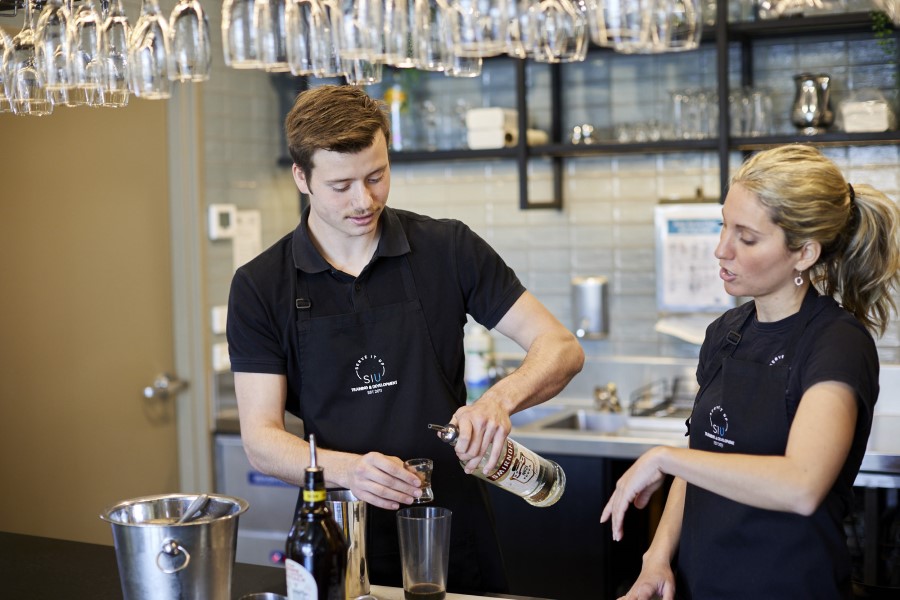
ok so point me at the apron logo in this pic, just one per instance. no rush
(718, 422)
(370, 371)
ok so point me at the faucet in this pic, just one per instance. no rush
(606, 398)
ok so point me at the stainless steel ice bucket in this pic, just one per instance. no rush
(160, 559)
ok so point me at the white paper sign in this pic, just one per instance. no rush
(687, 271)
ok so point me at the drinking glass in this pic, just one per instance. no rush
(361, 23)
(621, 24)
(685, 25)
(148, 54)
(268, 19)
(400, 35)
(521, 35)
(189, 49)
(362, 72)
(479, 26)
(84, 53)
(561, 31)
(114, 37)
(239, 34)
(299, 17)
(433, 42)
(424, 534)
(463, 66)
(51, 45)
(5, 42)
(326, 59)
(25, 86)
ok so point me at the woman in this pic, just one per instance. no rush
(788, 383)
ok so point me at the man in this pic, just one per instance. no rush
(354, 323)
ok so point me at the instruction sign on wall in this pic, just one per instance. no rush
(687, 271)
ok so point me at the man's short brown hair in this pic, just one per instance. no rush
(339, 118)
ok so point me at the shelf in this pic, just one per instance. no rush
(841, 23)
(460, 154)
(613, 148)
(836, 138)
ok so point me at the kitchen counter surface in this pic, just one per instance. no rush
(40, 568)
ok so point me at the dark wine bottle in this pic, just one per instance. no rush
(316, 554)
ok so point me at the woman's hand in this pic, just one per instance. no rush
(655, 581)
(636, 486)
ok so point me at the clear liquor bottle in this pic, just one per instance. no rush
(539, 481)
(316, 551)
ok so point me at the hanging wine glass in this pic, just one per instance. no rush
(84, 53)
(25, 86)
(399, 34)
(239, 34)
(325, 40)
(51, 47)
(685, 24)
(268, 19)
(5, 42)
(114, 37)
(148, 54)
(189, 48)
(479, 26)
(299, 23)
(362, 72)
(433, 43)
(561, 31)
(521, 35)
(361, 27)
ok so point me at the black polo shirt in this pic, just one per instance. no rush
(455, 272)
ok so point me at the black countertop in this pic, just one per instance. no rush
(39, 568)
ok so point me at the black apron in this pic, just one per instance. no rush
(729, 550)
(371, 382)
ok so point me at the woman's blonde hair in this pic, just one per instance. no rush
(857, 226)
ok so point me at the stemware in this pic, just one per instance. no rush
(51, 47)
(269, 22)
(148, 54)
(84, 53)
(362, 72)
(561, 31)
(685, 25)
(298, 32)
(25, 86)
(326, 40)
(399, 34)
(189, 48)
(239, 34)
(361, 29)
(5, 42)
(620, 24)
(114, 37)
(433, 42)
(479, 26)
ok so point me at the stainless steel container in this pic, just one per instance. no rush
(590, 312)
(160, 559)
(350, 515)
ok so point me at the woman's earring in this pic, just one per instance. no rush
(798, 280)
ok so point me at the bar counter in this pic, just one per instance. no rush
(40, 568)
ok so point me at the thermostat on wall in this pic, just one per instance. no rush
(222, 221)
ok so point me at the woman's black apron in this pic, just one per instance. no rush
(371, 382)
(730, 550)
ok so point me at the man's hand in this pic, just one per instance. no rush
(481, 425)
(382, 480)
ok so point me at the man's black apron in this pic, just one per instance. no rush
(730, 550)
(371, 382)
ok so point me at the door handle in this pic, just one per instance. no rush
(164, 386)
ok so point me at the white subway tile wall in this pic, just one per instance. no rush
(606, 224)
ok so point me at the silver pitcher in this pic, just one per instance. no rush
(350, 515)
(812, 112)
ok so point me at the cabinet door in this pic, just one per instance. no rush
(563, 552)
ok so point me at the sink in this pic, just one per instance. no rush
(588, 420)
(535, 413)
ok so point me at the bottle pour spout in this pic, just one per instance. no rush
(447, 433)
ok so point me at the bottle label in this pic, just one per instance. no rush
(301, 585)
(518, 469)
(313, 495)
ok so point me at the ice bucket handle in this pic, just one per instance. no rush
(171, 551)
